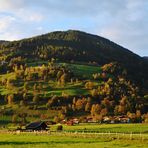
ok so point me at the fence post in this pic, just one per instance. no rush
(131, 136)
(143, 138)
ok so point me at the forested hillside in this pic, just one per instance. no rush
(76, 46)
(70, 74)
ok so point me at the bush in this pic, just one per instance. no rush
(59, 128)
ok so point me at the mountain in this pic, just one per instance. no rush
(77, 46)
(73, 45)
(67, 74)
(146, 58)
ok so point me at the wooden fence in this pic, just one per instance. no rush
(90, 134)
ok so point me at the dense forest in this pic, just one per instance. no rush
(71, 74)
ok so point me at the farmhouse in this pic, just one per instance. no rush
(70, 122)
(36, 126)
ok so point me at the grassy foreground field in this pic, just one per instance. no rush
(98, 136)
(112, 128)
(27, 140)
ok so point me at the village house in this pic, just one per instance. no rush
(70, 122)
(89, 120)
(40, 125)
(76, 121)
(116, 119)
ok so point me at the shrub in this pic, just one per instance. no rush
(59, 128)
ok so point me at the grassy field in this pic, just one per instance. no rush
(78, 69)
(83, 70)
(97, 136)
(27, 140)
(113, 128)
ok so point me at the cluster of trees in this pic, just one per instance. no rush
(114, 96)
(111, 93)
(45, 73)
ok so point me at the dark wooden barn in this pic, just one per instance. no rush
(36, 126)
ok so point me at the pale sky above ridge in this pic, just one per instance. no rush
(122, 21)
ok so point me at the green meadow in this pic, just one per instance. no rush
(27, 140)
(97, 136)
(113, 128)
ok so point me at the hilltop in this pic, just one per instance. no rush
(72, 45)
(77, 46)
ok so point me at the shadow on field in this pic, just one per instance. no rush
(20, 143)
(50, 142)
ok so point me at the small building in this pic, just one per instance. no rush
(75, 121)
(89, 120)
(63, 121)
(70, 122)
(40, 125)
(106, 119)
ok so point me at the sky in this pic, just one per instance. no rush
(122, 21)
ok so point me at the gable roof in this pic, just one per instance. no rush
(36, 125)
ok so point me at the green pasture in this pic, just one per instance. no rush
(105, 128)
(28, 140)
(97, 136)
(78, 69)
(85, 71)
